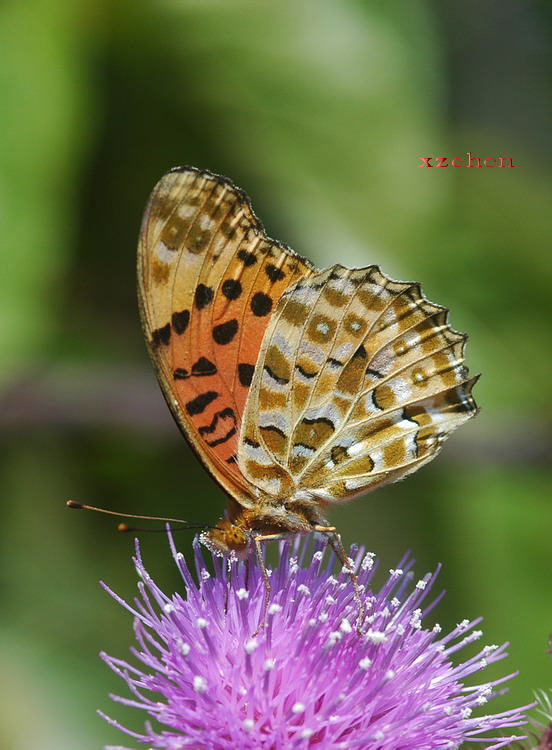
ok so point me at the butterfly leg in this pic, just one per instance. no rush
(337, 545)
(258, 540)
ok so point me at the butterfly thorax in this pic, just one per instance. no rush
(235, 533)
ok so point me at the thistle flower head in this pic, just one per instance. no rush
(308, 679)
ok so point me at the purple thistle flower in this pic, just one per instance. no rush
(308, 679)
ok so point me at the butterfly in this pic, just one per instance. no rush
(297, 388)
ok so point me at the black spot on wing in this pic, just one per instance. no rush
(198, 404)
(274, 376)
(305, 373)
(200, 368)
(161, 336)
(261, 304)
(245, 374)
(180, 321)
(220, 416)
(203, 366)
(231, 288)
(227, 413)
(307, 447)
(319, 420)
(273, 428)
(375, 399)
(225, 332)
(247, 258)
(203, 296)
(223, 439)
(274, 273)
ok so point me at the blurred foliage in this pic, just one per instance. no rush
(320, 111)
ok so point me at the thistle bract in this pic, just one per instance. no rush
(307, 679)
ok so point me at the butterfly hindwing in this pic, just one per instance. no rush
(359, 381)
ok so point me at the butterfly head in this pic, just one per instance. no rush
(226, 538)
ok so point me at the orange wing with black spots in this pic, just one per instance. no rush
(209, 279)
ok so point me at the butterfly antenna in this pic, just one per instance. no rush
(126, 527)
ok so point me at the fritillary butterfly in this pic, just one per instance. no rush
(297, 388)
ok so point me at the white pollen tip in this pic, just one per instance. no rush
(375, 636)
(242, 594)
(250, 645)
(200, 684)
(202, 623)
(274, 608)
(298, 708)
(368, 562)
(333, 638)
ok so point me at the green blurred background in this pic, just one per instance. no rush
(321, 111)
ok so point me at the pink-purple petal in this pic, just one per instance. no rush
(308, 679)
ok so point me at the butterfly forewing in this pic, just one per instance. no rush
(209, 280)
(359, 381)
